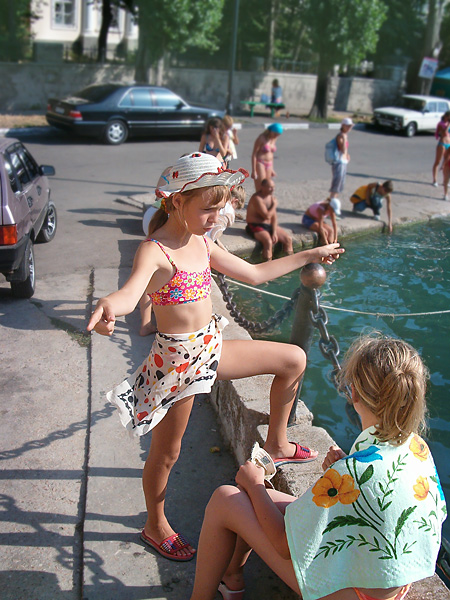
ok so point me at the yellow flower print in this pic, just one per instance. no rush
(421, 488)
(419, 448)
(333, 487)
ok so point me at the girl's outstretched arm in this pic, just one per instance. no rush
(239, 269)
(125, 300)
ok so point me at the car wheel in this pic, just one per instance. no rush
(26, 287)
(116, 132)
(48, 229)
(411, 129)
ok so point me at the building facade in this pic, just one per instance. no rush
(76, 25)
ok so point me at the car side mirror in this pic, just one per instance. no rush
(47, 170)
(180, 105)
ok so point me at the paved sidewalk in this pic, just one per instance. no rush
(72, 504)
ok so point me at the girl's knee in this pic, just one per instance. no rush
(220, 498)
(296, 359)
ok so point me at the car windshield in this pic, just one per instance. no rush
(95, 93)
(412, 104)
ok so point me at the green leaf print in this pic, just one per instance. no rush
(343, 521)
(402, 520)
(366, 475)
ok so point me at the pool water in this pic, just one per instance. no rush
(406, 272)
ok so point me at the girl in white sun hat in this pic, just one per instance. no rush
(174, 268)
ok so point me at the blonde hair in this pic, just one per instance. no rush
(390, 379)
(238, 193)
(228, 121)
(215, 194)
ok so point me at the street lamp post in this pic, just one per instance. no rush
(229, 107)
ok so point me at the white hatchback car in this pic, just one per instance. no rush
(414, 113)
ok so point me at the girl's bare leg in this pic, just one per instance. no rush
(287, 362)
(260, 175)
(164, 451)
(439, 154)
(229, 517)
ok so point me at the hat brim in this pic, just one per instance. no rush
(226, 177)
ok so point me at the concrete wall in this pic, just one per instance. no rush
(27, 86)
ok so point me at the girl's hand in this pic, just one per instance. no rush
(249, 475)
(102, 319)
(273, 173)
(333, 455)
(253, 175)
(328, 254)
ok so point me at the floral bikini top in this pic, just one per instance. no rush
(185, 286)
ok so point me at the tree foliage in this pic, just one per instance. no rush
(341, 32)
(15, 29)
(174, 25)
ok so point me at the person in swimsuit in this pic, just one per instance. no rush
(443, 137)
(369, 527)
(173, 266)
(371, 196)
(215, 140)
(262, 221)
(339, 167)
(314, 219)
(263, 153)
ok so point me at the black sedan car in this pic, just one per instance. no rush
(113, 111)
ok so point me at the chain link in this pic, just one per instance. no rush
(329, 347)
(252, 326)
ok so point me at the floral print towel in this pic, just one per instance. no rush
(372, 520)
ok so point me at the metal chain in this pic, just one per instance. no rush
(252, 326)
(329, 347)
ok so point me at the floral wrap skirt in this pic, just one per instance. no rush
(178, 366)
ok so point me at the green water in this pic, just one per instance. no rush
(407, 272)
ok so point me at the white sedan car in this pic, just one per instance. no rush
(413, 114)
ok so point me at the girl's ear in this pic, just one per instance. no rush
(355, 397)
(177, 200)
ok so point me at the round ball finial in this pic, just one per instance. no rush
(313, 276)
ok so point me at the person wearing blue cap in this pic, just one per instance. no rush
(263, 153)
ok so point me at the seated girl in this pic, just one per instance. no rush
(314, 219)
(369, 527)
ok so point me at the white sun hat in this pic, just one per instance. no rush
(198, 170)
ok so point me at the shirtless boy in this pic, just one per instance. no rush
(262, 222)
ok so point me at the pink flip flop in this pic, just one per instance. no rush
(301, 455)
(169, 546)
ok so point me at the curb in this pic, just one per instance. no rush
(22, 130)
(286, 126)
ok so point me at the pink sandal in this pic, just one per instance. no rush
(301, 455)
(228, 594)
(169, 547)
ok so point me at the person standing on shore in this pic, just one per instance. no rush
(263, 153)
(443, 137)
(339, 166)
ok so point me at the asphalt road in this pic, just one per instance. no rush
(92, 180)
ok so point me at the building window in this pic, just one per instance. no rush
(63, 13)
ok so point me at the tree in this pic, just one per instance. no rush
(107, 17)
(174, 25)
(431, 45)
(15, 29)
(341, 32)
